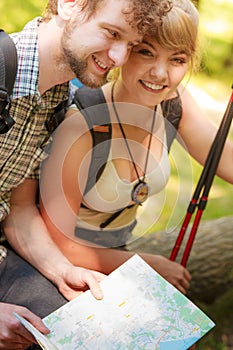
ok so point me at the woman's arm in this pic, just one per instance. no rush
(198, 132)
(64, 174)
(106, 260)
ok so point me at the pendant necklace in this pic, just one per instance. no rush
(141, 189)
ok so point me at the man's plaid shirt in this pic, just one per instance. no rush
(21, 149)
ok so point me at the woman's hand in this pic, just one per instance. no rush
(173, 272)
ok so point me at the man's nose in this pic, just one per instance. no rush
(119, 53)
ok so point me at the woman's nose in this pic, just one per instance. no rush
(159, 71)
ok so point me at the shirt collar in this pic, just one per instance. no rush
(26, 43)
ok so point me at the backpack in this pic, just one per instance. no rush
(86, 97)
(8, 69)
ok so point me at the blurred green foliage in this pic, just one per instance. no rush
(216, 39)
(16, 13)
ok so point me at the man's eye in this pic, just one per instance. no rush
(113, 33)
(131, 45)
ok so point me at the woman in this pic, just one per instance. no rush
(138, 163)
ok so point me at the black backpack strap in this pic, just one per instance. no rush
(86, 97)
(92, 105)
(58, 116)
(8, 70)
(172, 112)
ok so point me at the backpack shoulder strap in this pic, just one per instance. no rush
(8, 70)
(57, 117)
(92, 105)
(172, 112)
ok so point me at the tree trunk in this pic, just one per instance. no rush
(211, 258)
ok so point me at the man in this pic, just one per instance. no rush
(76, 38)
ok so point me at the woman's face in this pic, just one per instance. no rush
(152, 72)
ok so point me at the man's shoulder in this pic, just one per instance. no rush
(26, 43)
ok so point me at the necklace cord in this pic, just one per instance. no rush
(126, 141)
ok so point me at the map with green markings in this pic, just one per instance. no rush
(140, 311)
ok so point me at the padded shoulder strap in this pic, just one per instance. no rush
(8, 70)
(92, 105)
(8, 63)
(172, 112)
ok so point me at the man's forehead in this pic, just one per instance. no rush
(125, 7)
(118, 14)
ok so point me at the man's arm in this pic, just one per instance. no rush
(27, 234)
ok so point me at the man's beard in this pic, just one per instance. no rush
(80, 69)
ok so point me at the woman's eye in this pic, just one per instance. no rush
(145, 52)
(179, 60)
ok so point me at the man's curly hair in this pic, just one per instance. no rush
(141, 14)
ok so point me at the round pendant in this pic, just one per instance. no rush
(140, 192)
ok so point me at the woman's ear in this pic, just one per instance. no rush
(65, 8)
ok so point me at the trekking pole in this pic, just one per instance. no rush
(204, 185)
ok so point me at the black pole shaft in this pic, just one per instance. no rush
(204, 184)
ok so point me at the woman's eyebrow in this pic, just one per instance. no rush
(182, 52)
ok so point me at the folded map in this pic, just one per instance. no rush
(140, 311)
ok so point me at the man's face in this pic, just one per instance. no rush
(94, 45)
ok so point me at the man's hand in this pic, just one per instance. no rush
(76, 280)
(13, 335)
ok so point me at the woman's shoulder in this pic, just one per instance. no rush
(172, 107)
